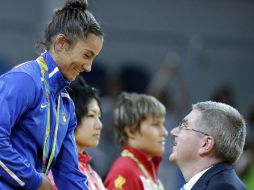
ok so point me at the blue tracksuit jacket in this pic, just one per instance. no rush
(23, 120)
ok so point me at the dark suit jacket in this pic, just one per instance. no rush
(222, 176)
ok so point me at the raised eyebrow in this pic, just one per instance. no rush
(91, 52)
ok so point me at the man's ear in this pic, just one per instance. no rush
(61, 43)
(130, 133)
(207, 145)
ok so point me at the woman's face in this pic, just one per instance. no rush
(88, 132)
(151, 138)
(78, 58)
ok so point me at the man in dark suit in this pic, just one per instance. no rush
(207, 142)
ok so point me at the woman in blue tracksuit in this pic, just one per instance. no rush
(37, 117)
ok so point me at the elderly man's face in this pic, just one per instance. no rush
(187, 139)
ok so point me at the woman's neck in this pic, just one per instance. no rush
(80, 149)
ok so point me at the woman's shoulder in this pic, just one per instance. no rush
(125, 165)
(29, 68)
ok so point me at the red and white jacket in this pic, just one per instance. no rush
(126, 173)
(94, 180)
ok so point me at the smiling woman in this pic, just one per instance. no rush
(73, 48)
(33, 98)
(71, 60)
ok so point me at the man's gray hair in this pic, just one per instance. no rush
(226, 125)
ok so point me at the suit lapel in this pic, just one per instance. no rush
(201, 184)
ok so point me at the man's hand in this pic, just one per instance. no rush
(46, 183)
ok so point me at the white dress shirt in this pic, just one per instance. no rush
(194, 179)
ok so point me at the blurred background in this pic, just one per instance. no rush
(179, 51)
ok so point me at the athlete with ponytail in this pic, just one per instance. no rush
(37, 115)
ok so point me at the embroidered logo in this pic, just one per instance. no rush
(43, 106)
(64, 118)
(119, 182)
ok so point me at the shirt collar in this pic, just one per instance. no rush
(194, 179)
(84, 157)
(56, 80)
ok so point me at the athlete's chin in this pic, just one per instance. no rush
(172, 158)
(72, 77)
(159, 152)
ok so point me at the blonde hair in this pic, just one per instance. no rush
(131, 110)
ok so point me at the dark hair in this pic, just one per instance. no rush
(82, 94)
(74, 21)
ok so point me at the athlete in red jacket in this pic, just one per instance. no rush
(139, 127)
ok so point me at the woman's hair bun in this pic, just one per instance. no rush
(76, 5)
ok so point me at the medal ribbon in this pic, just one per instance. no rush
(128, 154)
(45, 77)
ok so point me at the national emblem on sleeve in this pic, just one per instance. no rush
(119, 182)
